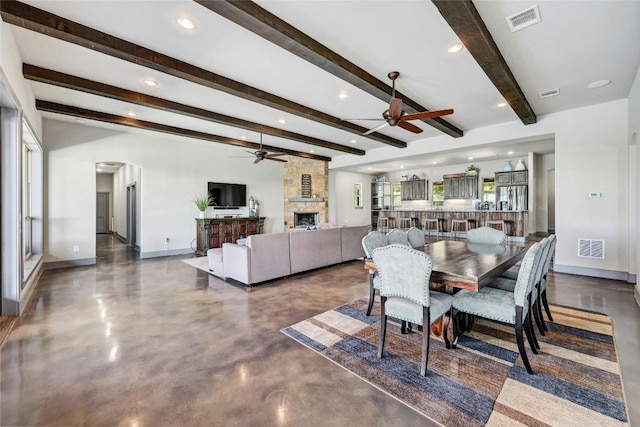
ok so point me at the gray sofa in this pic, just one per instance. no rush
(270, 256)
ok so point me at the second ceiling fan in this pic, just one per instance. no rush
(396, 116)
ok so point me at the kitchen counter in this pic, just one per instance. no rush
(515, 221)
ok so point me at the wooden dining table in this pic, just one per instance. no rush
(459, 264)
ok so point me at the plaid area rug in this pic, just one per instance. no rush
(483, 381)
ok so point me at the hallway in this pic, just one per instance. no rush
(156, 342)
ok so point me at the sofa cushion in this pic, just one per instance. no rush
(314, 249)
(351, 241)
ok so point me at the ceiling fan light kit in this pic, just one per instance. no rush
(396, 116)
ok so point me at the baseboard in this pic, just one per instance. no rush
(158, 254)
(70, 263)
(595, 272)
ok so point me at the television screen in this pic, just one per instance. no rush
(227, 195)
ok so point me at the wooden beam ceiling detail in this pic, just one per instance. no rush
(265, 24)
(56, 78)
(463, 17)
(34, 19)
(84, 113)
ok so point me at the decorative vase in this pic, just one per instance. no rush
(520, 166)
(507, 166)
(201, 215)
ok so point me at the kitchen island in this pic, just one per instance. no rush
(515, 221)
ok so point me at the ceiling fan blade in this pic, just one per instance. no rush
(376, 129)
(276, 159)
(395, 108)
(257, 160)
(344, 120)
(426, 115)
(275, 155)
(410, 127)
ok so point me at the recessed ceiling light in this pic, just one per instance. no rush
(150, 82)
(470, 158)
(79, 119)
(369, 168)
(501, 104)
(243, 137)
(455, 48)
(510, 153)
(353, 141)
(186, 23)
(433, 163)
(311, 151)
(598, 84)
(283, 121)
(343, 95)
(131, 114)
(401, 167)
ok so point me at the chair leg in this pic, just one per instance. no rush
(520, 341)
(445, 331)
(456, 327)
(537, 314)
(383, 326)
(372, 294)
(531, 336)
(469, 319)
(426, 328)
(543, 297)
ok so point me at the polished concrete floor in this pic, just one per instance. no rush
(157, 342)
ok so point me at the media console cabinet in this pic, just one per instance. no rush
(213, 232)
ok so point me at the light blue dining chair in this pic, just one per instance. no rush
(415, 237)
(374, 239)
(542, 296)
(486, 235)
(509, 285)
(504, 306)
(405, 295)
(397, 235)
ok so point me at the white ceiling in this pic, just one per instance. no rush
(577, 42)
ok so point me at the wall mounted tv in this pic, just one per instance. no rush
(227, 195)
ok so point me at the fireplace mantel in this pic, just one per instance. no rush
(306, 199)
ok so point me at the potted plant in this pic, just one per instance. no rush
(473, 170)
(202, 202)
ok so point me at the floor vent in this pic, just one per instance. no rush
(549, 93)
(591, 248)
(524, 19)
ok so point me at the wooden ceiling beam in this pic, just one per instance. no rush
(265, 24)
(34, 19)
(43, 75)
(463, 17)
(68, 110)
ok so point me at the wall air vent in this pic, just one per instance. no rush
(524, 19)
(591, 248)
(549, 93)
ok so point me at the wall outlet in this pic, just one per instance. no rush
(76, 248)
(166, 240)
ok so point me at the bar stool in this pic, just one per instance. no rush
(432, 224)
(499, 222)
(456, 225)
(406, 223)
(383, 224)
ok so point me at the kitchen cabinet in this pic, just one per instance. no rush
(414, 189)
(512, 178)
(461, 187)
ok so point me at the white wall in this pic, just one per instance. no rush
(171, 170)
(591, 155)
(341, 208)
(633, 139)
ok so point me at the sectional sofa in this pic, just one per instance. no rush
(270, 256)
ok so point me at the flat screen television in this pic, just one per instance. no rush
(227, 195)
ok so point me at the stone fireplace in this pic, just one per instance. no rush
(306, 191)
(306, 219)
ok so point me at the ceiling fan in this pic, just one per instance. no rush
(396, 116)
(263, 154)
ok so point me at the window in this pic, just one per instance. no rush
(397, 195)
(357, 195)
(437, 192)
(488, 190)
(26, 201)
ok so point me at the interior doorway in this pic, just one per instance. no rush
(551, 201)
(102, 213)
(131, 214)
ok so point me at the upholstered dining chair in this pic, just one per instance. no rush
(374, 239)
(486, 235)
(542, 291)
(504, 306)
(405, 295)
(416, 237)
(509, 285)
(398, 236)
